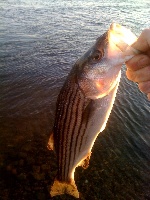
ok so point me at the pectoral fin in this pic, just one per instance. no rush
(50, 145)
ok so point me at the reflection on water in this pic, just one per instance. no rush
(40, 41)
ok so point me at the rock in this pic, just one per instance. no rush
(22, 176)
(45, 167)
(15, 163)
(1, 164)
(41, 196)
(86, 181)
(39, 177)
(9, 168)
(14, 171)
(30, 160)
(27, 147)
(36, 169)
(23, 155)
(21, 162)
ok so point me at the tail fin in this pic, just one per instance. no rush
(60, 188)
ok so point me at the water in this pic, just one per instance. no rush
(40, 41)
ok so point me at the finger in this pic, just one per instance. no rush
(140, 75)
(138, 62)
(144, 87)
(143, 42)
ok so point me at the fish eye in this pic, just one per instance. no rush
(97, 55)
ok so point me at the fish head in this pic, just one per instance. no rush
(98, 69)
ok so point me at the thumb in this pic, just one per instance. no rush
(143, 42)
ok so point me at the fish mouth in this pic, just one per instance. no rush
(121, 36)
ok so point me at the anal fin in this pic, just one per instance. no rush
(85, 162)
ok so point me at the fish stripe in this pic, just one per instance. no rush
(74, 128)
(60, 109)
(81, 131)
(70, 118)
(65, 120)
(57, 125)
(63, 142)
(87, 115)
(68, 129)
(60, 124)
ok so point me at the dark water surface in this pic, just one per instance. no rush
(40, 41)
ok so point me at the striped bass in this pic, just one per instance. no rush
(84, 104)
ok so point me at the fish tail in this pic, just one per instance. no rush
(59, 188)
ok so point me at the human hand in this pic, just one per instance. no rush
(138, 67)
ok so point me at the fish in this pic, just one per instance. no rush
(85, 103)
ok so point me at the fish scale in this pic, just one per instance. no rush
(84, 105)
